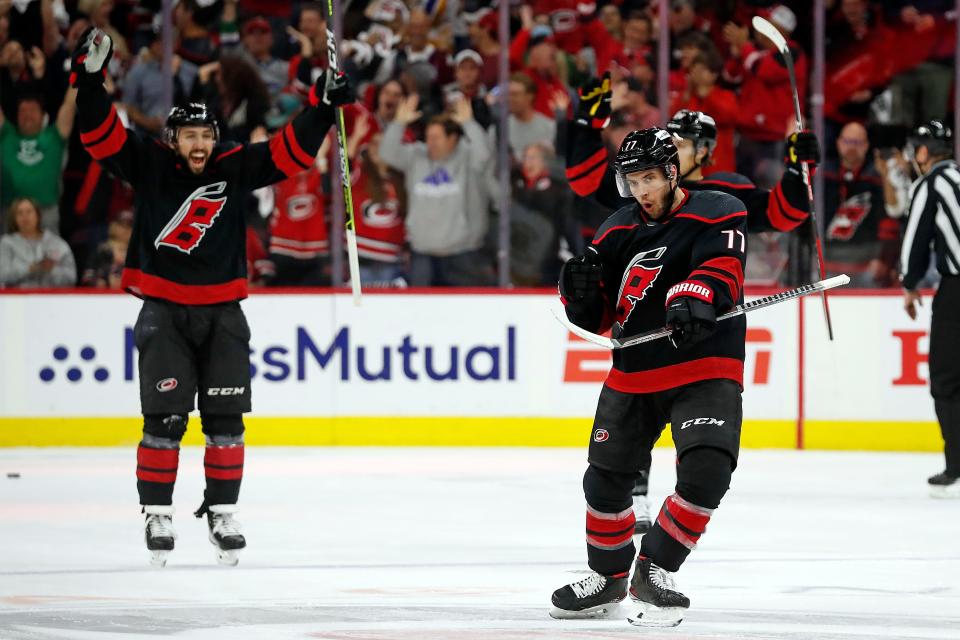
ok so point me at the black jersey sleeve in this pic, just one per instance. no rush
(289, 151)
(120, 150)
(589, 171)
(783, 209)
(718, 258)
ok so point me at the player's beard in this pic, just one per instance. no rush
(666, 203)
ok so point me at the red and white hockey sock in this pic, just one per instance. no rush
(676, 532)
(610, 547)
(223, 467)
(156, 474)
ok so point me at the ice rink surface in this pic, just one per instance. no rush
(468, 544)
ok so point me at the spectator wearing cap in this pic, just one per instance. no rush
(467, 67)
(257, 42)
(861, 239)
(766, 97)
(703, 94)
(32, 155)
(526, 125)
(482, 31)
(143, 85)
(447, 202)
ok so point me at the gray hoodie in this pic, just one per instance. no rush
(447, 202)
(18, 254)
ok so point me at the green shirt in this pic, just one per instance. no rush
(31, 167)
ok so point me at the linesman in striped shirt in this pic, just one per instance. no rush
(934, 223)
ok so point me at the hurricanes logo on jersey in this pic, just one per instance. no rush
(197, 214)
(637, 281)
(380, 214)
(848, 217)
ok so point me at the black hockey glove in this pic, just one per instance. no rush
(91, 57)
(691, 319)
(333, 89)
(580, 278)
(594, 108)
(802, 147)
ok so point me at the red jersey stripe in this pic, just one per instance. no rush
(676, 375)
(143, 285)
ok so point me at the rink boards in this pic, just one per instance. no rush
(465, 368)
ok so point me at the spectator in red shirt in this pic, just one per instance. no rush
(766, 98)
(537, 45)
(703, 94)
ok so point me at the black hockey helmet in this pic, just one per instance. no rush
(646, 149)
(194, 114)
(935, 136)
(696, 126)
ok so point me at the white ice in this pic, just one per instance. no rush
(410, 543)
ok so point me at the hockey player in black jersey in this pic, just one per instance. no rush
(590, 175)
(673, 257)
(187, 261)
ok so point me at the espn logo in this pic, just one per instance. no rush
(586, 362)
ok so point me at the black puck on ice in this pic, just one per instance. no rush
(13, 474)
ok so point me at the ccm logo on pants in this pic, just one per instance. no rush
(695, 421)
(226, 391)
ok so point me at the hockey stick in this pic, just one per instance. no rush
(353, 259)
(739, 310)
(771, 32)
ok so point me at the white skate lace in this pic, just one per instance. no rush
(225, 526)
(589, 586)
(661, 578)
(159, 526)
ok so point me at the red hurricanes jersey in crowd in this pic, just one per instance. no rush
(379, 224)
(298, 228)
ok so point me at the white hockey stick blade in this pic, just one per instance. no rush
(740, 309)
(589, 336)
(354, 265)
(765, 28)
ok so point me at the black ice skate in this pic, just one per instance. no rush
(596, 596)
(654, 597)
(641, 511)
(944, 485)
(159, 533)
(224, 532)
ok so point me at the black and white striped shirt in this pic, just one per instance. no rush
(934, 222)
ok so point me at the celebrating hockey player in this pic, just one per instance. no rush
(695, 135)
(187, 262)
(672, 257)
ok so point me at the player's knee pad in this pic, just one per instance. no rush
(218, 425)
(608, 491)
(168, 427)
(703, 476)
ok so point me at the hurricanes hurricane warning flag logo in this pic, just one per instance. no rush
(197, 214)
(637, 281)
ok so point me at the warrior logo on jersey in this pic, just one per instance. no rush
(849, 216)
(197, 214)
(380, 214)
(637, 280)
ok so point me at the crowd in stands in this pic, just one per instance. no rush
(424, 135)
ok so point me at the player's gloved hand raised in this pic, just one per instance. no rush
(580, 277)
(334, 89)
(691, 319)
(91, 57)
(594, 108)
(802, 147)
